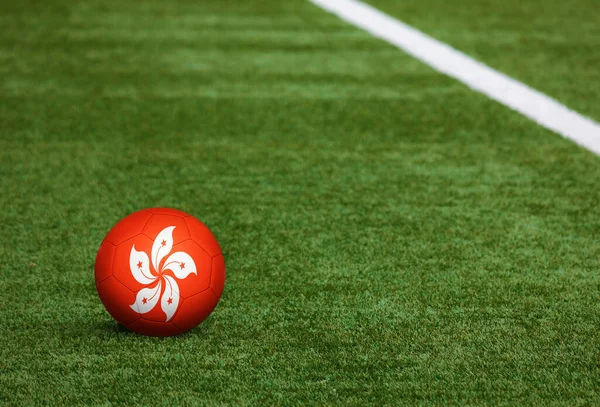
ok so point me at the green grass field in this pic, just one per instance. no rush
(391, 237)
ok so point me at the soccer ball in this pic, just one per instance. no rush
(160, 272)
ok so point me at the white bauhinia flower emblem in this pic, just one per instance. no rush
(160, 285)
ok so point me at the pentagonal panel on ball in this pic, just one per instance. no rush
(104, 260)
(117, 299)
(132, 264)
(190, 266)
(203, 236)
(166, 230)
(194, 310)
(160, 301)
(128, 227)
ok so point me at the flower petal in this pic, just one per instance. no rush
(146, 299)
(170, 298)
(181, 264)
(162, 246)
(140, 267)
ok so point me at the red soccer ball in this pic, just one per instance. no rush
(160, 272)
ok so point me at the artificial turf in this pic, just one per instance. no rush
(390, 236)
(550, 45)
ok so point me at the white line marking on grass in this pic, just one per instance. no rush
(535, 105)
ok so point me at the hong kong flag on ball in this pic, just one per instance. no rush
(160, 272)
